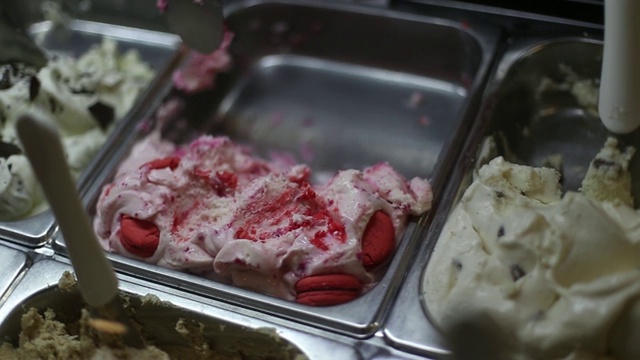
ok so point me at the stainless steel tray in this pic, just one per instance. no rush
(159, 49)
(351, 77)
(225, 330)
(533, 127)
(12, 264)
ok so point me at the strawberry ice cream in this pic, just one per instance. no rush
(201, 70)
(214, 209)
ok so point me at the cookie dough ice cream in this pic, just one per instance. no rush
(43, 337)
(558, 274)
(170, 332)
(214, 209)
(85, 96)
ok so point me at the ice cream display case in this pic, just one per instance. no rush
(243, 187)
(297, 85)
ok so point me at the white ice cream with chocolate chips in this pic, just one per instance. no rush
(560, 275)
(85, 96)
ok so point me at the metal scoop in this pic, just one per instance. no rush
(619, 103)
(96, 279)
(200, 23)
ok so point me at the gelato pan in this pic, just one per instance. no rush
(50, 314)
(12, 264)
(213, 208)
(557, 273)
(43, 336)
(537, 114)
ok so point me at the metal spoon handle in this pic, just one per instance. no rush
(96, 279)
(200, 24)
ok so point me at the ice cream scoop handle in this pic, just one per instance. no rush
(41, 142)
(618, 104)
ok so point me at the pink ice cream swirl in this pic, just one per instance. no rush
(201, 70)
(227, 215)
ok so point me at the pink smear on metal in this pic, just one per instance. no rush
(201, 70)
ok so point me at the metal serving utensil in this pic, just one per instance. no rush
(96, 278)
(200, 23)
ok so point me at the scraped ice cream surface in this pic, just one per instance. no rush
(200, 71)
(51, 334)
(85, 96)
(43, 337)
(213, 208)
(559, 274)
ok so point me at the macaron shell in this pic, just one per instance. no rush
(139, 237)
(328, 282)
(171, 162)
(378, 239)
(328, 289)
(326, 297)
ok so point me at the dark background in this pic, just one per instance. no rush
(590, 11)
(581, 10)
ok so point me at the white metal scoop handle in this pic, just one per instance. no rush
(619, 103)
(96, 279)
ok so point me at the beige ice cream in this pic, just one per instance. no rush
(170, 333)
(43, 337)
(85, 96)
(559, 275)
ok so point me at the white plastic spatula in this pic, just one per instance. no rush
(96, 279)
(200, 23)
(619, 103)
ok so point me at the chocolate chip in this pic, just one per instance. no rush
(598, 163)
(103, 113)
(539, 315)
(516, 272)
(499, 194)
(501, 231)
(53, 105)
(7, 149)
(15, 71)
(5, 79)
(457, 264)
(34, 87)
(82, 91)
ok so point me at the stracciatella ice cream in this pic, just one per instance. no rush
(557, 274)
(84, 96)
